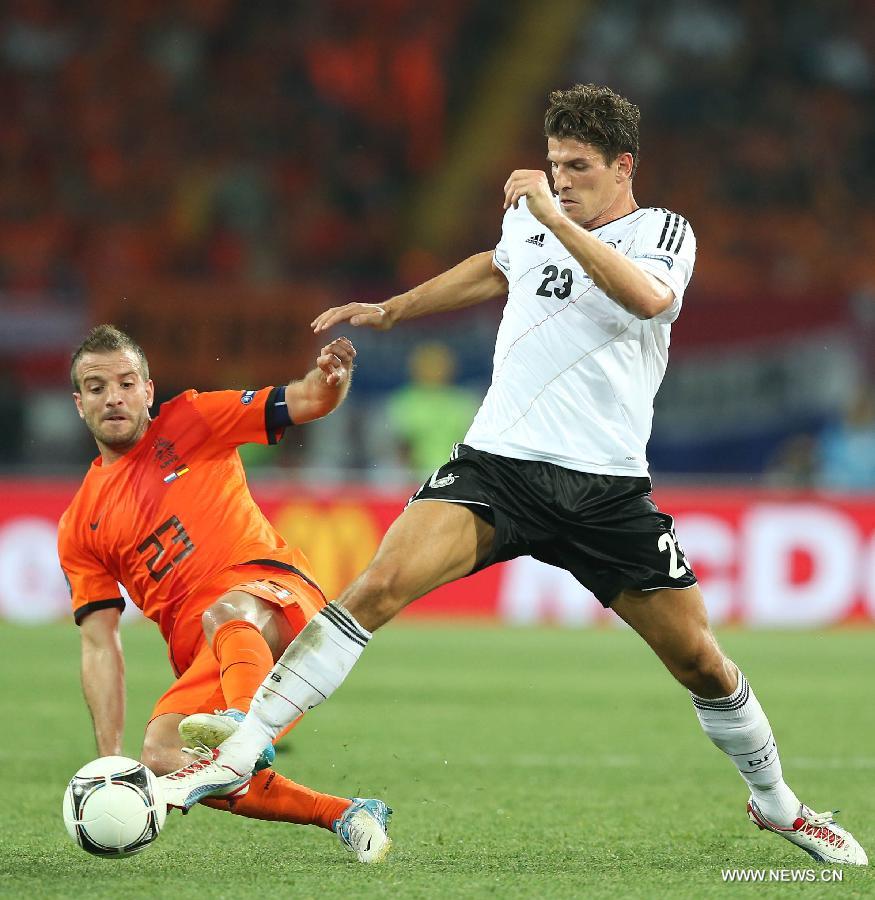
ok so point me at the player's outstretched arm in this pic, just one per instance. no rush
(322, 389)
(474, 280)
(103, 678)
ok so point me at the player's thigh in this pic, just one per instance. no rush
(431, 543)
(674, 622)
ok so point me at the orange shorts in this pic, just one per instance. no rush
(198, 687)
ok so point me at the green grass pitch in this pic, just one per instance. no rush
(520, 763)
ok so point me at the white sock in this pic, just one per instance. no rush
(739, 727)
(313, 666)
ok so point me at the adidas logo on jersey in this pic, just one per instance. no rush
(536, 239)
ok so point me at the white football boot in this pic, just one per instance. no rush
(817, 834)
(363, 829)
(212, 729)
(204, 777)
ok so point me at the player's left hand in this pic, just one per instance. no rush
(335, 361)
(533, 185)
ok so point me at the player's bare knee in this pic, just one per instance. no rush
(216, 615)
(210, 622)
(377, 581)
(706, 672)
(375, 597)
(160, 759)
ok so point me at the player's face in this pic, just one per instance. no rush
(114, 398)
(589, 188)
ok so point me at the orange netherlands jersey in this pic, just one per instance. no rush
(173, 512)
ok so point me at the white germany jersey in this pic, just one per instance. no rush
(575, 374)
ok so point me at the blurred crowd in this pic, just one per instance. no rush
(262, 143)
(243, 141)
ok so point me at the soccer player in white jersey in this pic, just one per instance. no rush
(554, 464)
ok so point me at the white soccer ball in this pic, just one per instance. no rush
(114, 807)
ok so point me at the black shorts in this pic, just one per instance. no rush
(604, 529)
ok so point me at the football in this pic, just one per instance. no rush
(113, 807)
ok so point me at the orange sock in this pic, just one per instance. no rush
(277, 799)
(244, 661)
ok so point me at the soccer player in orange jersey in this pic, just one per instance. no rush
(165, 511)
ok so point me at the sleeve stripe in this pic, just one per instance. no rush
(83, 611)
(664, 230)
(674, 231)
(677, 249)
(675, 221)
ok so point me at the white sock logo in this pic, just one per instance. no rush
(762, 761)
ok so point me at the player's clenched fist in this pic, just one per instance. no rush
(356, 314)
(533, 185)
(335, 361)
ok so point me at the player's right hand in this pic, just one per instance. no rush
(370, 314)
(335, 360)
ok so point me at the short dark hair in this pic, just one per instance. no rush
(107, 339)
(593, 114)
